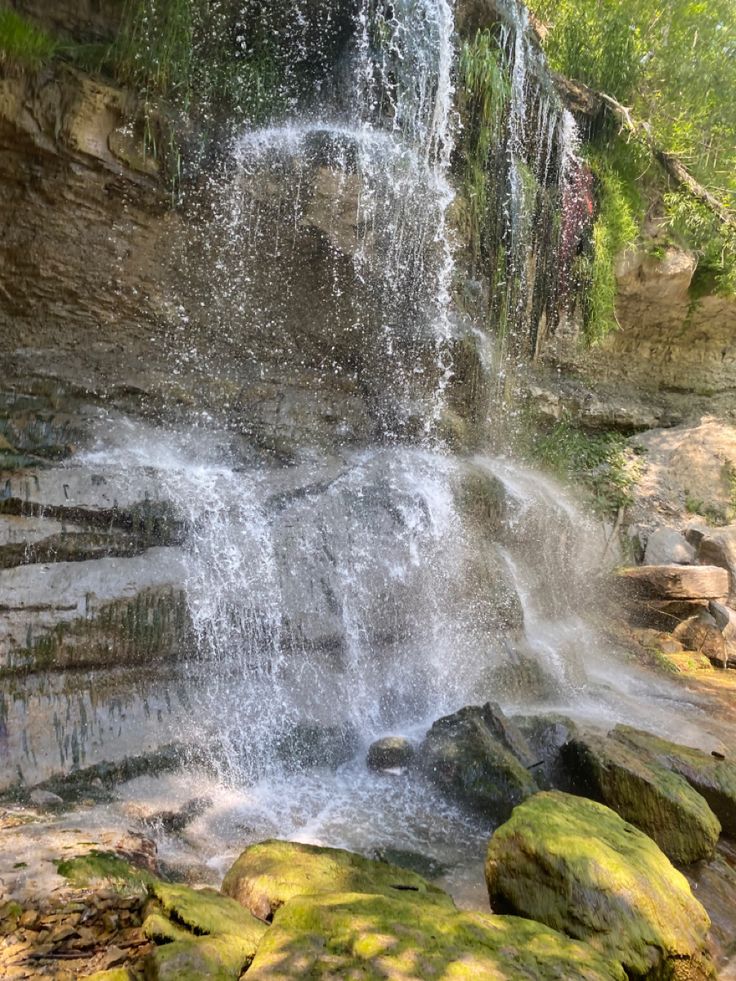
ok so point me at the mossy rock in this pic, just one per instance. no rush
(577, 866)
(714, 779)
(206, 911)
(98, 866)
(114, 974)
(657, 801)
(468, 755)
(204, 934)
(272, 872)
(363, 936)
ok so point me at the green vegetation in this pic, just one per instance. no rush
(22, 44)
(603, 463)
(674, 65)
(616, 228)
(483, 94)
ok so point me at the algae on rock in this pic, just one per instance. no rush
(577, 866)
(660, 802)
(270, 873)
(359, 935)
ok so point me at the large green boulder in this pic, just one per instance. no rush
(657, 801)
(202, 934)
(372, 937)
(714, 778)
(272, 872)
(577, 866)
(479, 758)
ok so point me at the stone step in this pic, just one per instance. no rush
(662, 582)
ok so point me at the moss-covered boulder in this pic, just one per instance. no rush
(577, 866)
(473, 756)
(659, 802)
(203, 934)
(272, 872)
(358, 935)
(714, 778)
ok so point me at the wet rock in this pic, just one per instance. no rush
(701, 633)
(547, 734)
(713, 778)
(390, 752)
(315, 745)
(353, 935)
(659, 802)
(471, 756)
(44, 798)
(666, 546)
(689, 582)
(423, 865)
(578, 867)
(270, 873)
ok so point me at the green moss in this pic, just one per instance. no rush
(84, 870)
(578, 867)
(23, 44)
(270, 873)
(713, 778)
(658, 801)
(205, 911)
(204, 933)
(358, 935)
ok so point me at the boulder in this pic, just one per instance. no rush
(714, 778)
(308, 744)
(547, 734)
(473, 756)
(390, 752)
(358, 935)
(578, 867)
(659, 802)
(718, 547)
(666, 582)
(666, 546)
(270, 873)
(202, 934)
(700, 633)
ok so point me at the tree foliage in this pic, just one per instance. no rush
(674, 63)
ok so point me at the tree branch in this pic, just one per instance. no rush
(590, 102)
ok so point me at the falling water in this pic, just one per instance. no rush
(347, 575)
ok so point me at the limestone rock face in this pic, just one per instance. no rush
(270, 873)
(641, 791)
(669, 336)
(578, 867)
(479, 757)
(357, 935)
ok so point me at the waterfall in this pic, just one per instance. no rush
(540, 197)
(359, 586)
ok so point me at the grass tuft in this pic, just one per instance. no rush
(22, 44)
